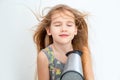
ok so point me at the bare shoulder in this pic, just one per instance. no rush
(42, 66)
(42, 58)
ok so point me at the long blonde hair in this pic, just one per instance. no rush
(81, 39)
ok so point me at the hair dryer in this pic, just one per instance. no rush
(73, 67)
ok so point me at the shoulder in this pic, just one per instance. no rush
(45, 55)
(42, 66)
(42, 58)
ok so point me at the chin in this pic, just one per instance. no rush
(64, 42)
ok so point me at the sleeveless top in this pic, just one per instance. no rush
(55, 66)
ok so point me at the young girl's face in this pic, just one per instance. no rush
(62, 27)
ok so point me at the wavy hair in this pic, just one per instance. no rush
(81, 39)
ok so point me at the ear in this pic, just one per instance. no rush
(48, 31)
(75, 30)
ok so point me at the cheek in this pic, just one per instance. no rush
(54, 30)
(75, 31)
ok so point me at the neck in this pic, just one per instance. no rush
(60, 48)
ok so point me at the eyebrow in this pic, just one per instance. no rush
(60, 22)
(70, 22)
(56, 22)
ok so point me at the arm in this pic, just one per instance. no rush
(42, 67)
(87, 64)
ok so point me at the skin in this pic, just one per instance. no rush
(63, 30)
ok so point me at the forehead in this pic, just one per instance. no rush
(65, 15)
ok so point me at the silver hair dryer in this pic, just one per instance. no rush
(73, 67)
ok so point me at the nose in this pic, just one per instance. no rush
(64, 28)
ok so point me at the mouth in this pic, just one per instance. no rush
(63, 35)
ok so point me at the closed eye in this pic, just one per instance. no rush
(69, 25)
(58, 25)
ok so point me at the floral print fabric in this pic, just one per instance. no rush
(55, 66)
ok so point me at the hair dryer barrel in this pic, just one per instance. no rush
(73, 67)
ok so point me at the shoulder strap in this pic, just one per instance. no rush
(49, 53)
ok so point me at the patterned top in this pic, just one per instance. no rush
(55, 66)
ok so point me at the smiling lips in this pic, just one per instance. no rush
(63, 35)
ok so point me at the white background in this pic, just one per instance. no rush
(17, 49)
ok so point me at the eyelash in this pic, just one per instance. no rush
(57, 25)
(69, 25)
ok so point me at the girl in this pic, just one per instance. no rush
(63, 29)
